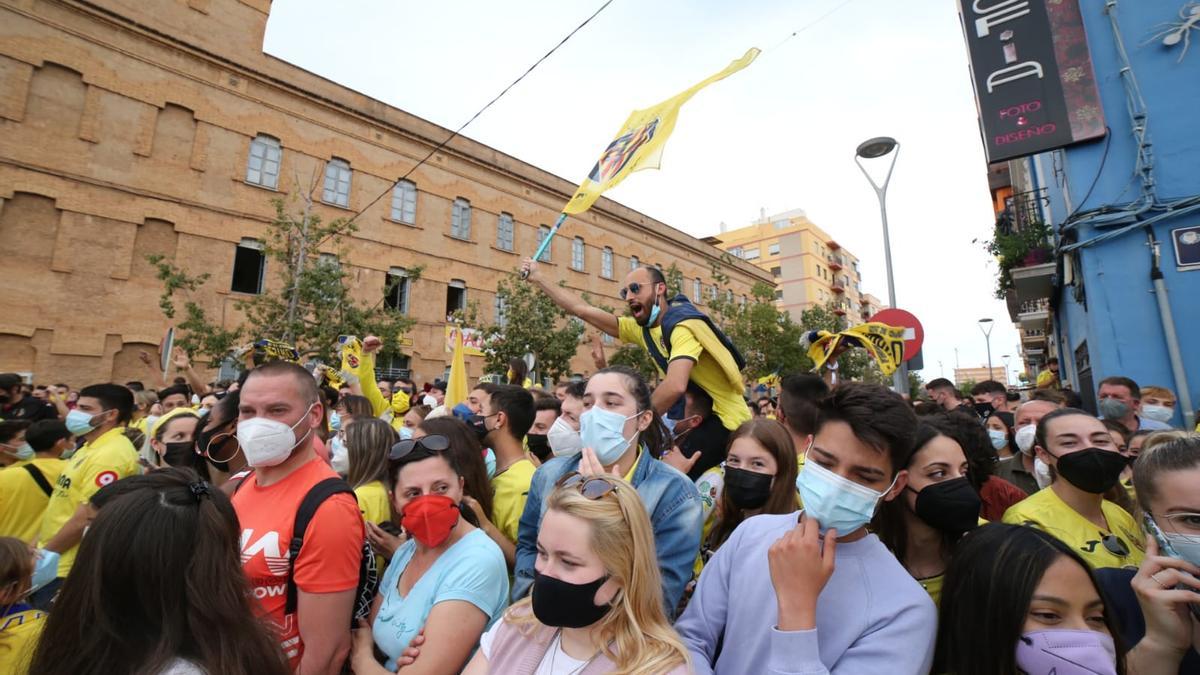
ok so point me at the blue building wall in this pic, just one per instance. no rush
(1119, 318)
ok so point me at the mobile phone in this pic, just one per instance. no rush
(1165, 548)
(391, 528)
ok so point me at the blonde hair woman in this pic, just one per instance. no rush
(596, 605)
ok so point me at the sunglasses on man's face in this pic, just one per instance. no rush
(433, 443)
(633, 289)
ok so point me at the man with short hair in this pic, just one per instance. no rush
(687, 348)
(700, 438)
(99, 418)
(12, 442)
(1120, 400)
(479, 396)
(944, 393)
(15, 404)
(507, 415)
(1084, 463)
(798, 398)
(1019, 469)
(279, 400)
(406, 385)
(1048, 378)
(560, 389)
(174, 396)
(990, 396)
(385, 389)
(547, 410)
(438, 391)
(26, 486)
(814, 591)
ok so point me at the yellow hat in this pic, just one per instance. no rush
(177, 412)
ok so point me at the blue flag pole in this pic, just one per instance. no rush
(562, 217)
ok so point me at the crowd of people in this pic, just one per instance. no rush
(278, 524)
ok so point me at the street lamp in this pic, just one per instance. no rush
(1005, 358)
(873, 149)
(985, 326)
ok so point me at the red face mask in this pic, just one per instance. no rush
(430, 518)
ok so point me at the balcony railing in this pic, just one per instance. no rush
(1023, 209)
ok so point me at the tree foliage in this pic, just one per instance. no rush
(532, 323)
(310, 306)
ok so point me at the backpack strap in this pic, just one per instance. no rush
(316, 496)
(39, 479)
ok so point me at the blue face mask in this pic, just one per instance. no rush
(834, 501)
(22, 452)
(653, 313)
(405, 433)
(335, 421)
(45, 568)
(604, 432)
(489, 461)
(79, 422)
(999, 438)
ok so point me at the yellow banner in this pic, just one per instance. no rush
(884, 343)
(640, 141)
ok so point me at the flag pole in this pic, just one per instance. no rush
(562, 217)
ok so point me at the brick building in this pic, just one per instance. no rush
(131, 128)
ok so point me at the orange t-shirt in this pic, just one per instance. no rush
(329, 559)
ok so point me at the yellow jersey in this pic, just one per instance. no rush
(20, 628)
(22, 500)
(511, 488)
(707, 373)
(933, 586)
(101, 462)
(373, 502)
(1120, 546)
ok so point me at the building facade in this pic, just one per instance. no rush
(129, 129)
(1111, 287)
(809, 268)
(964, 376)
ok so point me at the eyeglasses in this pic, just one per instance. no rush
(1114, 545)
(634, 288)
(432, 443)
(591, 487)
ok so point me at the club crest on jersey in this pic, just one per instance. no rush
(106, 478)
(618, 153)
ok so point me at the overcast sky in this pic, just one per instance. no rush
(779, 135)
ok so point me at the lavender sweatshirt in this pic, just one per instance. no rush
(872, 616)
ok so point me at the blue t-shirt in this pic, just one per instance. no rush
(473, 570)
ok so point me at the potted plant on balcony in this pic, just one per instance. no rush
(1016, 248)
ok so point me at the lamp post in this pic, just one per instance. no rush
(1005, 358)
(985, 327)
(873, 149)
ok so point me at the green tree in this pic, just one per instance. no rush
(767, 338)
(534, 324)
(309, 308)
(635, 357)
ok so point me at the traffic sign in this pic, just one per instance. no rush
(914, 333)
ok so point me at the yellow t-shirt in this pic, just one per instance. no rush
(373, 502)
(1049, 513)
(1046, 379)
(728, 403)
(20, 628)
(105, 460)
(22, 502)
(511, 488)
(933, 586)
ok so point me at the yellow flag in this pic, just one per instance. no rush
(456, 388)
(640, 141)
(884, 343)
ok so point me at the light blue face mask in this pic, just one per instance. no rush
(405, 433)
(22, 452)
(604, 432)
(335, 421)
(653, 313)
(834, 501)
(45, 568)
(80, 423)
(999, 438)
(489, 461)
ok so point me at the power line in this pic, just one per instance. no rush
(481, 110)
(808, 25)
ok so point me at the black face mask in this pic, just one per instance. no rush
(984, 409)
(539, 445)
(179, 454)
(478, 424)
(205, 438)
(1092, 470)
(559, 604)
(747, 489)
(951, 506)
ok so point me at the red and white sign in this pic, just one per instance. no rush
(914, 333)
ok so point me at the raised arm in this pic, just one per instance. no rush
(571, 303)
(183, 363)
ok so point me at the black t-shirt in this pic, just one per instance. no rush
(1122, 601)
(709, 438)
(29, 409)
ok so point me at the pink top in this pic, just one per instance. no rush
(513, 652)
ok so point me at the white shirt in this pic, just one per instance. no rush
(555, 662)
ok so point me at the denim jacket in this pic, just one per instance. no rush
(670, 499)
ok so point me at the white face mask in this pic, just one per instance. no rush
(339, 457)
(1158, 413)
(1025, 437)
(429, 401)
(267, 442)
(1041, 473)
(564, 440)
